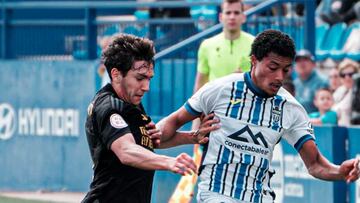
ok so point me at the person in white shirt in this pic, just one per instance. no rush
(342, 95)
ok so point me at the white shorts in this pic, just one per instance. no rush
(213, 197)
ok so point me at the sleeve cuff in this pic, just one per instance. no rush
(298, 145)
(191, 110)
(116, 135)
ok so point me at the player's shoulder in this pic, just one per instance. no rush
(228, 80)
(214, 40)
(106, 102)
(247, 36)
(290, 99)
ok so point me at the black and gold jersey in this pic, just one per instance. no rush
(109, 118)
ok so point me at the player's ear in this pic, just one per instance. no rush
(115, 74)
(253, 61)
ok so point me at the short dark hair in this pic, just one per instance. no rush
(124, 50)
(326, 89)
(273, 41)
(231, 2)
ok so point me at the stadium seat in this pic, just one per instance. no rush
(353, 55)
(320, 32)
(330, 41)
(142, 14)
(338, 53)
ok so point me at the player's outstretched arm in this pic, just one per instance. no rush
(131, 154)
(169, 126)
(319, 167)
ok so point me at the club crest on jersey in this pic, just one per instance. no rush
(310, 128)
(276, 114)
(117, 121)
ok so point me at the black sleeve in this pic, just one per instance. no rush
(110, 131)
(109, 121)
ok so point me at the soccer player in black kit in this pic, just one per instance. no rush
(121, 136)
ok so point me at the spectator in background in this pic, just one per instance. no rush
(342, 11)
(334, 79)
(342, 96)
(104, 43)
(300, 8)
(323, 101)
(289, 86)
(165, 35)
(355, 103)
(308, 80)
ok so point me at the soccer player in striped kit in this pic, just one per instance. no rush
(255, 112)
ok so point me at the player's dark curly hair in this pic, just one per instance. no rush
(273, 41)
(124, 50)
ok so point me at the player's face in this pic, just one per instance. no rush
(136, 82)
(323, 100)
(232, 16)
(269, 73)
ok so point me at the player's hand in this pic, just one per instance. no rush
(350, 169)
(183, 165)
(154, 134)
(208, 124)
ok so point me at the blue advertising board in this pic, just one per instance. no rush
(42, 115)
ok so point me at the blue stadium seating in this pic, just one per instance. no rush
(353, 55)
(338, 53)
(321, 31)
(330, 41)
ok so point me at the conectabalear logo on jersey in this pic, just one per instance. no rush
(37, 121)
(246, 136)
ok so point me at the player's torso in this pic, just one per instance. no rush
(238, 155)
(137, 119)
(226, 56)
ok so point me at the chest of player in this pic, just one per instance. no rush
(137, 121)
(252, 110)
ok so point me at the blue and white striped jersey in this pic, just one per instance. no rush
(236, 160)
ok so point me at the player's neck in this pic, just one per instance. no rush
(232, 35)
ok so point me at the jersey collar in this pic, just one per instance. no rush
(257, 91)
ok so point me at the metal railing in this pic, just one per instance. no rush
(308, 22)
(72, 29)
